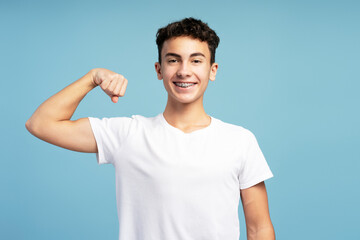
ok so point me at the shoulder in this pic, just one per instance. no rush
(137, 118)
(146, 121)
(116, 122)
(110, 121)
(233, 130)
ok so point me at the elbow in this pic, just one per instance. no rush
(29, 125)
(38, 127)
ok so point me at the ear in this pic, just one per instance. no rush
(158, 70)
(213, 70)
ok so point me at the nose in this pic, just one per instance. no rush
(184, 70)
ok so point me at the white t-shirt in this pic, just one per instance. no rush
(172, 185)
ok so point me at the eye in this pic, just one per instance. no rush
(196, 61)
(172, 61)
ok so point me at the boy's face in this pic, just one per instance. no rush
(185, 69)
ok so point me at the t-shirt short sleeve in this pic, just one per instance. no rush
(254, 168)
(110, 135)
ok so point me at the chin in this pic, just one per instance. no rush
(185, 100)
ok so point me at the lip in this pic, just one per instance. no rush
(184, 89)
(183, 82)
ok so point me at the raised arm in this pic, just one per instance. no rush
(256, 210)
(51, 120)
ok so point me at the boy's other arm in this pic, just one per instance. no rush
(51, 120)
(256, 210)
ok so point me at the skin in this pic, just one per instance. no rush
(183, 60)
(256, 211)
(52, 122)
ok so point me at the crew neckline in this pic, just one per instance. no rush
(201, 130)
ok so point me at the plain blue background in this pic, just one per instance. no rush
(288, 71)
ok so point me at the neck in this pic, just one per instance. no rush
(186, 117)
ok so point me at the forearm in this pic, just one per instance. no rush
(265, 233)
(256, 210)
(63, 104)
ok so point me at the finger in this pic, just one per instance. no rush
(118, 88)
(114, 99)
(112, 85)
(105, 84)
(123, 88)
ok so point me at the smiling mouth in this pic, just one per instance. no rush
(184, 85)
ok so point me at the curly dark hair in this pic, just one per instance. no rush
(191, 27)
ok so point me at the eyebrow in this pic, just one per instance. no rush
(192, 55)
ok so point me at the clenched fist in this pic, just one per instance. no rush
(113, 84)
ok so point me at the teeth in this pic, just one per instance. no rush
(184, 85)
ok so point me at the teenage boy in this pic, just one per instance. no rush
(180, 174)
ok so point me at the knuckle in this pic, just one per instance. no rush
(117, 76)
(121, 78)
(103, 86)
